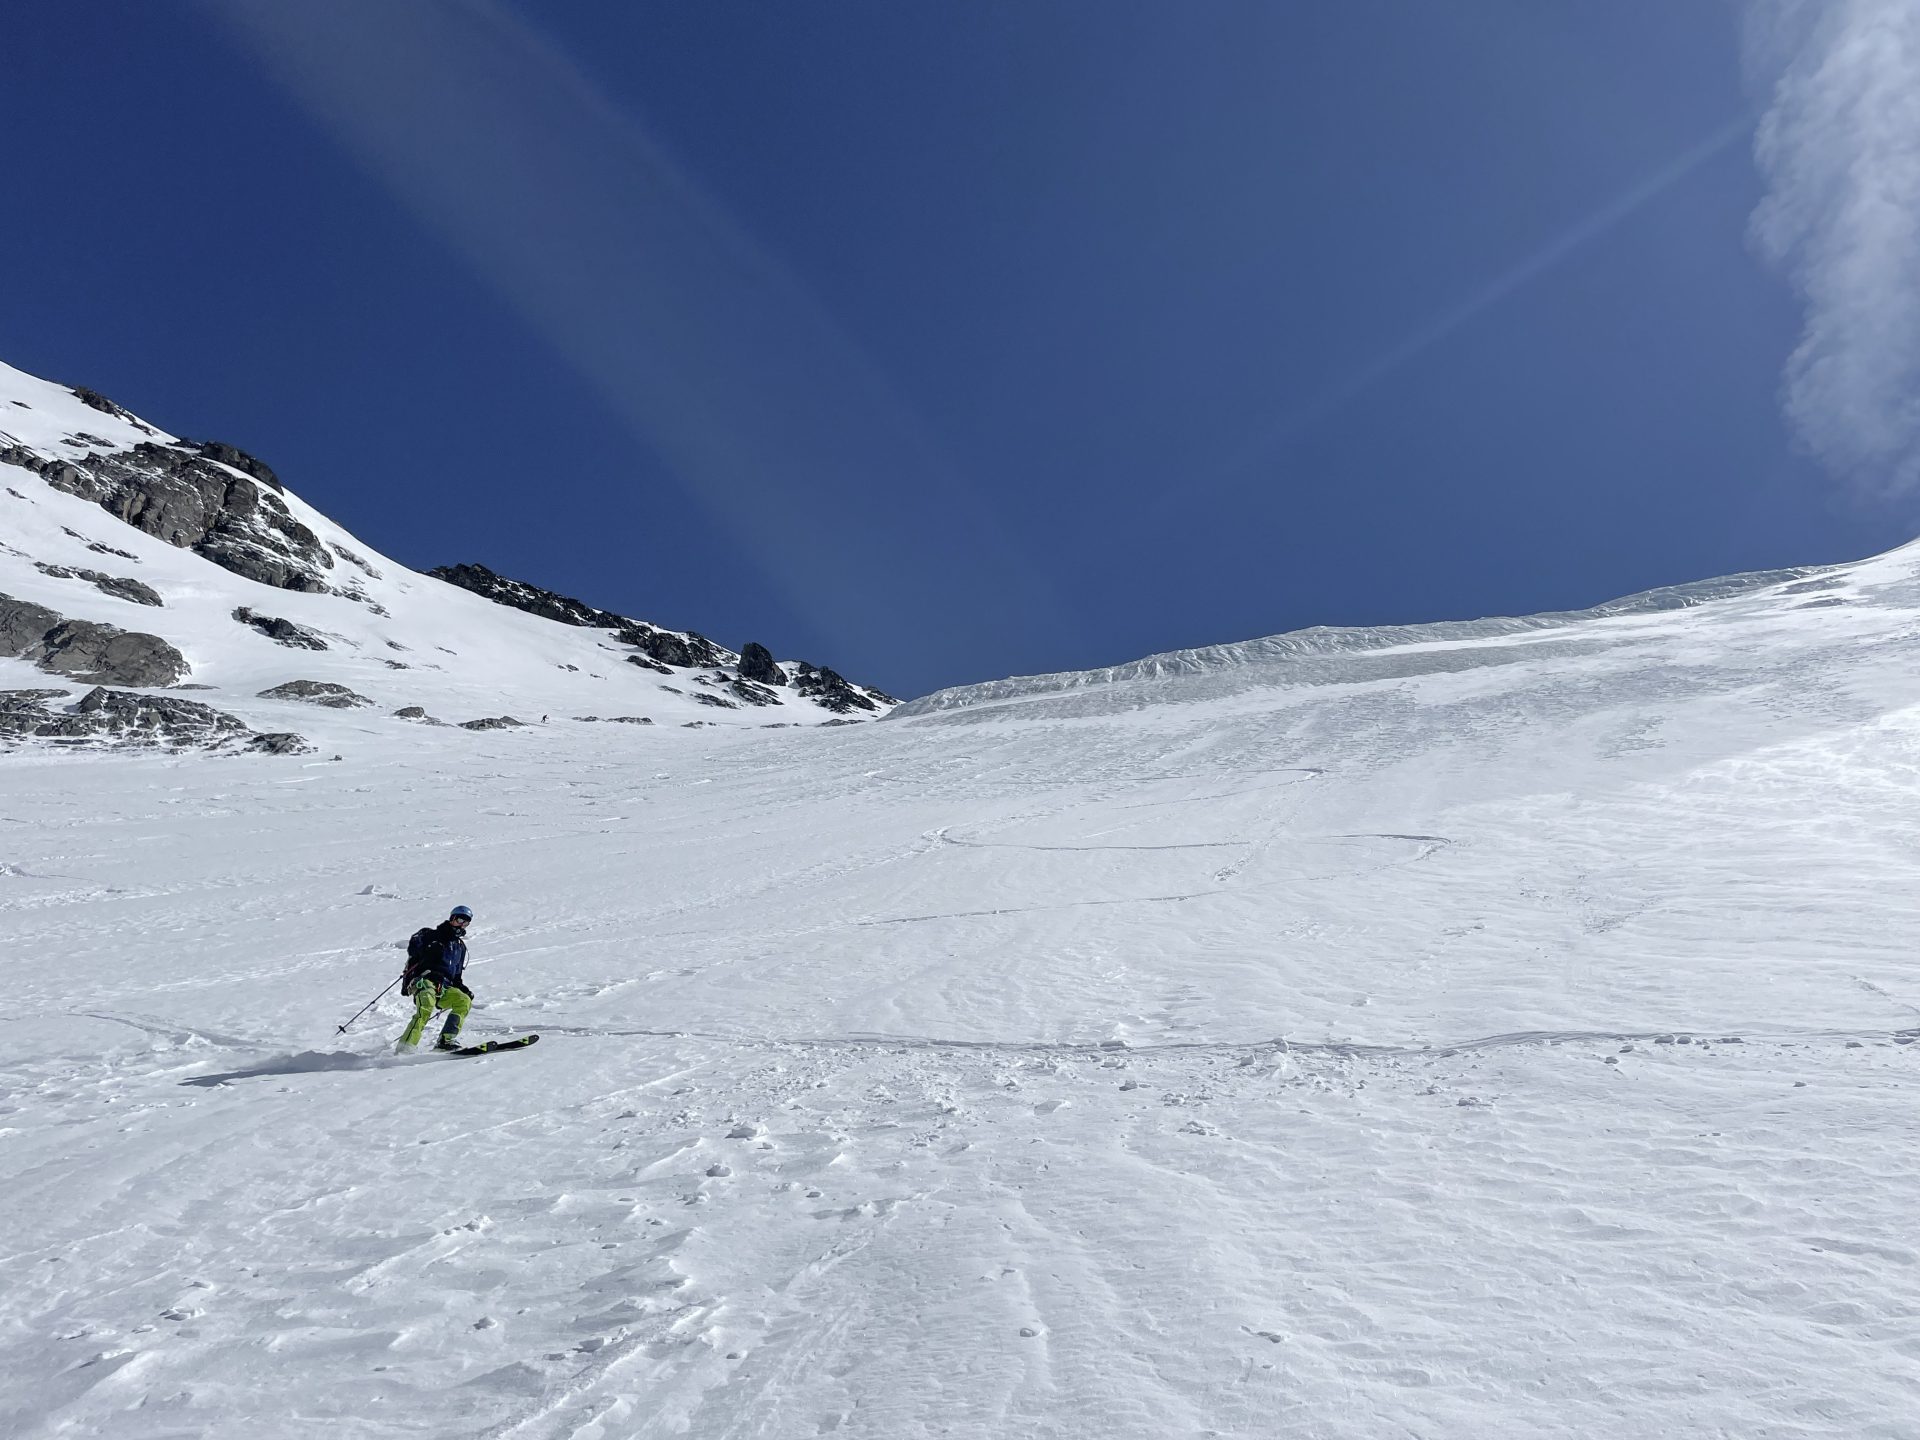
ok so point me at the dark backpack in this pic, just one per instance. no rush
(417, 958)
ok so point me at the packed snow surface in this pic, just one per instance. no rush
(1506, 1035)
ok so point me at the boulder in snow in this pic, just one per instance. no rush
(757, 664)
(115, 585)
(281, 632)
(95, 653)
(317, 692)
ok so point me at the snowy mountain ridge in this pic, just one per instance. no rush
(132, 558)
(1280, 657)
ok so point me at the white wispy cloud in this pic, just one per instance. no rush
(1840, 149)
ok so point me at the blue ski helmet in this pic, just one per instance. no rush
(461, 912)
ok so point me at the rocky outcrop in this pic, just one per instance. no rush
(672, 647)
(613, 719)
(87, 651)
(120, 718)
(665, 651)
(827, 688)
(518, 595)
(280, 742)
(493, 722)
(284, 632)
(743, 690)
(117, 586)
(105, 654)
(756, 664)
(667, 647)
(241, 461)
(317, 692)
(179, 494)
(23, 626)
(94, 400)
(96, 546)
(752, 694)
(23, 712)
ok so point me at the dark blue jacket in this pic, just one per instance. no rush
(439, 953)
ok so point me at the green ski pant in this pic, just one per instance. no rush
(429, 997)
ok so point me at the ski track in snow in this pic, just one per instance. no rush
(1501, 1050)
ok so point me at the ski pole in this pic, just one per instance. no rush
(368, 1006)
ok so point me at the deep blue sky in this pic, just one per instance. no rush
(1202, 321)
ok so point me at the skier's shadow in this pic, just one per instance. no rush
(305, 1063)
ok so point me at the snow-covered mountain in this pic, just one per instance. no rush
(1504, 1029)
(135, 566)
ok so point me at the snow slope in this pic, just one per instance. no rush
(396, 637)
(1508, 1036)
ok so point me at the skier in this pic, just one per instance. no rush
(436, 958)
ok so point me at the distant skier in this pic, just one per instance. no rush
(436, 961)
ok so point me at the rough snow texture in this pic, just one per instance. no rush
(1508, 1036)
(222, 576)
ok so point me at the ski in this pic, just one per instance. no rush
(519, 1042)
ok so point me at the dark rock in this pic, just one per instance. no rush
(753, 694)
(124, 587)
(664, 651)
(23, 712)
(518, 595)
(716, 701)
(281, 632)
(122, 710)
(97, 654)
(411, 712)
(280, 742)
(243, 462)
(828, 689)
(317, 692)
(177, 495)
(756, 663)
(117, 586)
(355, 560)
(23, 625)
(669, 647)
(94, 400)
(493, 722)
(121, 718)
(686, 650)
(106, 654)
(614, 719)
(93, 545)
